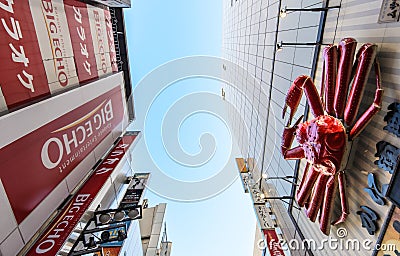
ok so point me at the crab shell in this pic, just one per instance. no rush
(323, 140)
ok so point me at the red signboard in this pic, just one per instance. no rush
(54, 237)
(79, 27)
(49, 46)
(23, 77)
(41, 159)
(273, 242)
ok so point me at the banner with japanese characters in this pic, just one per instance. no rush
(50, 46)
(22, 75)
(273, 242)
(79, 27)
(56, 234)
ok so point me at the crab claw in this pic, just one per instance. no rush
(295, 92)
(288, 137)
(293, 97)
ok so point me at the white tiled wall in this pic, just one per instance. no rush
(133, 244)
(7, 219)
(12, 244)
(356, 19)
(80, 171)
(103, 146)
(41, 213)
(265, 109)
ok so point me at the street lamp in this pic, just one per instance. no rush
(109, 225)
(90, 238)
(283, 12)
(284, 178)
(279, 45)
(111, 216)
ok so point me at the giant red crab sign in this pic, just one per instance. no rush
(324, 140)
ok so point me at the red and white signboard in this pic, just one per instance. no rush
(54, 237)
(55, 43)
(49, 46)
(111, 44)
(45, 156)
(79, 27)
(22, 74)
(273, 242)
(100, 40)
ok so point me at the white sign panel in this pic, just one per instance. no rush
(263, 216)
(390, 11)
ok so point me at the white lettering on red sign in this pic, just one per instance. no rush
(55, 236)
(58, 229)
(112, 159)
(7, 7)
(78, 139)
(81, 33)
(17, 54)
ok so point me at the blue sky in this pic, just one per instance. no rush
(158, 32)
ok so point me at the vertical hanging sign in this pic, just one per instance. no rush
(81, 37)
(273, 242)
(23, 76)
(110, 37)
(55, 44)
(55, 235)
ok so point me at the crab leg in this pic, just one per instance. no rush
(327, 208)
(294, 96)
(347, 48)
(365, 59)
(303, 180)
(343, 198)
(307, 184)
(329, 75)
(295, 153)
(373, 109)
(304, 175)
(317, 197)
(287, 140)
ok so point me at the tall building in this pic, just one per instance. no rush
(258, 249)
(267, 45)
(65, 102)
(153, 232)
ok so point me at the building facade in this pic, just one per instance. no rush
(154, 231)
(274, 49)
(65, 102)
